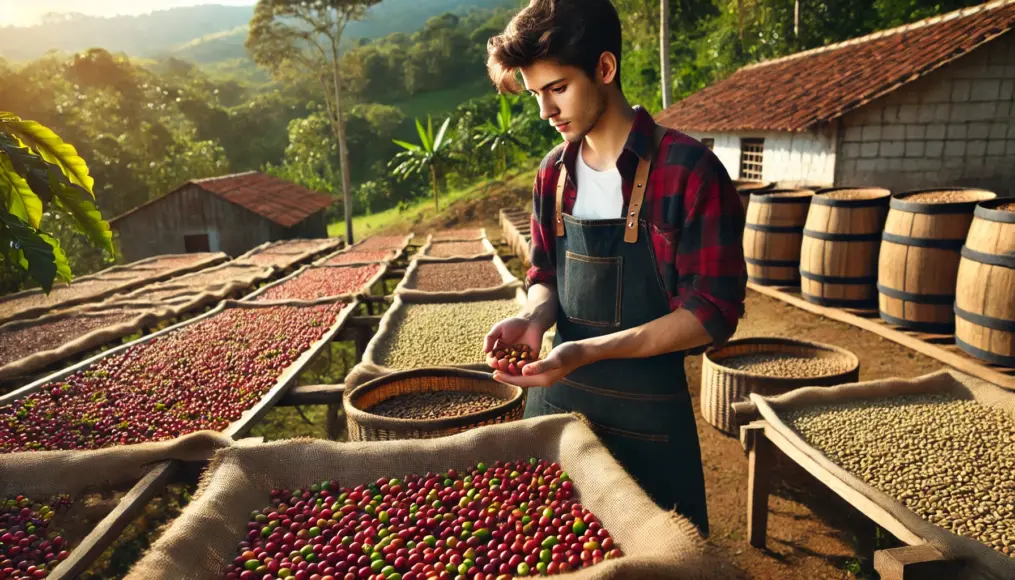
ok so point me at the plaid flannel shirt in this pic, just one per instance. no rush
(694, 216)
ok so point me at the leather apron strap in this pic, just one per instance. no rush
(637, 191)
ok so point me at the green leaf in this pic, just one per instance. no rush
(54, 150)
(62, 265)
(19, 197)
(440, 135)
(39, 255)
(409, 146)
(75, 201)
(423, 138)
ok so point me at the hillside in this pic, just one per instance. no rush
(205, 34)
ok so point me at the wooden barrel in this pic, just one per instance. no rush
(746, 187)
(919, 258)
(772, 235)
(985, 288)
(839, 251)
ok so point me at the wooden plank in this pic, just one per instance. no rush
(957, 360)
(880, 515)
(921, 562)
(110, 528)
(760, 457)
(313, 395)
(363, 321)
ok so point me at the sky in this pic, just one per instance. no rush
(28, 12)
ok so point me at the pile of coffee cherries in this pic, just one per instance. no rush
(510, 359)
(27, 548)
(513, 519)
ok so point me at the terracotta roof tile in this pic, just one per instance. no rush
(797, 92)
(282, 202)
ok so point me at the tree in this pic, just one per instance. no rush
(304, 36)
(503, 136)
(664, 49)
(432, 155)
(38, 169)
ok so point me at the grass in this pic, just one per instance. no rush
(436, 103)
(392, 219)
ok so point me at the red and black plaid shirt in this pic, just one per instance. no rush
(693, 212)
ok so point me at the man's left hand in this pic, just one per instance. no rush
(561, 362)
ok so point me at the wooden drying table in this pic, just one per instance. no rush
(939, 346)
(915, 561)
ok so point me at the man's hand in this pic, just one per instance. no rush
(516, 330)
(561, 362)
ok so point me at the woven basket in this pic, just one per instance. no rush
(722, 386)
(366, 426)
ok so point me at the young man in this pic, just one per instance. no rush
(636, 252)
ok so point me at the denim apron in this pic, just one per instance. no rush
(607, 281)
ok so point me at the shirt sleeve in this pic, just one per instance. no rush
(541, 250)
(709, 259)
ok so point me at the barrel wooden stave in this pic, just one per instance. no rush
(985, 292)
(773, 257)
(842, 269)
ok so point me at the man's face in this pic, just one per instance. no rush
(570, 100)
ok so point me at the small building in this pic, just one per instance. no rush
(230, 214)
(925, 105)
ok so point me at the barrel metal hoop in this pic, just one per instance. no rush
(929, 327)
(850, 203)
(937, 299)
(990, 259)
(998, 359)
(987, 212)
(773, 263)
(957, 208)
(775, 229)
(839, 279)
(985, 321)
(934, 243)
(841, 302)
(833, 237)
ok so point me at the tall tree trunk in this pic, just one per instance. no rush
(343, 150)
(740, 17)
(503, 162)
(664, 48)
(796, 19)
(433, 180)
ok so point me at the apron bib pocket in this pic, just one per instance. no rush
(603, 275)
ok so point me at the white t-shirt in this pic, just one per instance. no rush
(600, 194)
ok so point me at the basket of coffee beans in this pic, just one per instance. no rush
(767, 366)
(429, 402)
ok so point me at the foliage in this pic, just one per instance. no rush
(433, 155)
(39, 170)
(502, 137)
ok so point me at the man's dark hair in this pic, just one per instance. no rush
(568, 32)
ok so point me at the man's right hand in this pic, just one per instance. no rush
(515, 330)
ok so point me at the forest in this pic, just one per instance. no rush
(417, 111)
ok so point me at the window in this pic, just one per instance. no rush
(196, 243)
(751, 153)
(708, 142)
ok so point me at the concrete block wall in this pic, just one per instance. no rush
(954, 127)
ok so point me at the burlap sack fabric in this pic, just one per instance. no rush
(458, 235)
(281, 257)
(29, 304)
(146, 318)
(407, 286)
(40, 473)
(980, 561)
(657, 544)
(424, 252)
(372, 365)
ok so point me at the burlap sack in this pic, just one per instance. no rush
(353, 261)
(372, 366)
(40, 473)
(348, 296)
(407, 286)
(458, 235)
(657, 544)
(980, 561)
(267, 255)
(114, 280)
(58, 350)
(365, 245)
(423, 254)
(302, 245)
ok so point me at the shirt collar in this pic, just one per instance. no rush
(639, 140)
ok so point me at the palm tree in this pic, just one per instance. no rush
(502, 136)
(431, 155)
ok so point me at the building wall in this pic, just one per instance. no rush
(314, 226)
(159, 228)
(789, 158)
(954, 127)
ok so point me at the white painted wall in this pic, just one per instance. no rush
(789, 158)
(956, 126)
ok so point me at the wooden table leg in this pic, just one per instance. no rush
(760, 456)
(921, 562)
(332, 422)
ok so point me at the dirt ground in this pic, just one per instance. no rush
(812, 533)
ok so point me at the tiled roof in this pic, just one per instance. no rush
(277, 200)
(797, 92)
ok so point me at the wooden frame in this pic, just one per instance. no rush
(109, 529)
(939, 346)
